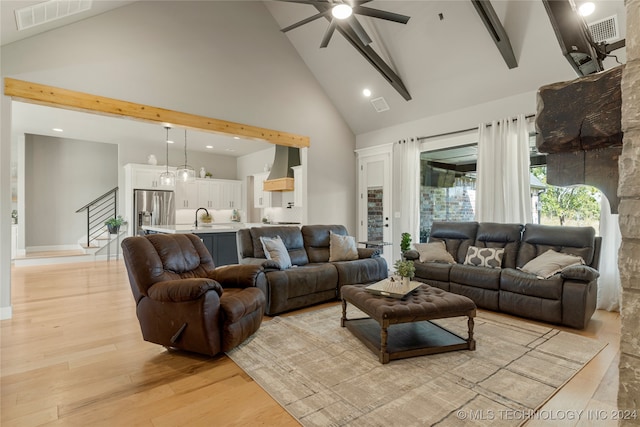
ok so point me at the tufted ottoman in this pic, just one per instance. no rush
(412, 333)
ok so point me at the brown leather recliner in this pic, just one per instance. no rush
(183, 301)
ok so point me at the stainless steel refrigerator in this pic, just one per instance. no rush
(153, 207)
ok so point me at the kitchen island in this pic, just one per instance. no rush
(220, 239)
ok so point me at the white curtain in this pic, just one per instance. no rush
(409, 153)
(609, 285)
(503, 183)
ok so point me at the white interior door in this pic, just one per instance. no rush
(374, 182)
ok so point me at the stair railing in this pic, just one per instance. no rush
(98, 211)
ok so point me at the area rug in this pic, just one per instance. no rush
(324, 376)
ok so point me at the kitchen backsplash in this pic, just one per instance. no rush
(187, 216)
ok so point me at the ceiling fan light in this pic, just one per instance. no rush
(341, 11)
(586, 9)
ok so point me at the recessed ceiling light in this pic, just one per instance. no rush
(341, 11)
(169, 141)
(366, 92)
(209, 146)
(229, 149)
(57, 130)
(586, 9)
(236, 137)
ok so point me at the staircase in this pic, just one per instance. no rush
(96, 244)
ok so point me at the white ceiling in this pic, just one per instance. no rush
(41, 120)
(446, 64)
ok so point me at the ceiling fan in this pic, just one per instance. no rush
(341, 14)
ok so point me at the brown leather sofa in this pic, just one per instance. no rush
(184, 302)
(312, 279)
(567, 298)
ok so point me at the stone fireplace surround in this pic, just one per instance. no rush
(629, 219)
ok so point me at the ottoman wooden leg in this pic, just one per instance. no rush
(384, 354)
(344, 312)
(470, 340)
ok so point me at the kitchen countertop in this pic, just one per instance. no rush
(189, 228)
(229, 227)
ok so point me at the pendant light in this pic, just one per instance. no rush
(185, 173)
(167, 179)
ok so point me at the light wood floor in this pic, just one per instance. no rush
(73, 356)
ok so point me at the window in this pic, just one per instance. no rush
(447, 186)
(448, 190)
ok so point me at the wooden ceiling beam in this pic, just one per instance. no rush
(370, 55)
(68, 99)
(496, 31)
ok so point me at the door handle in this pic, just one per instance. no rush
(386, 225)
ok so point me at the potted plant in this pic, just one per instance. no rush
(406, 270)
(113, 224)
(405, 243)
(206, 218)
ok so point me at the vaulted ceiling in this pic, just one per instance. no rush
(444, 55)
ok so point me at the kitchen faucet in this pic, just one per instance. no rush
(197, 210)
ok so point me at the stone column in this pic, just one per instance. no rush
(629, 193)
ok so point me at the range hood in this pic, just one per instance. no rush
(281, 176)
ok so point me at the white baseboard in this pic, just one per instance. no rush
(6, 313)
(52, 248)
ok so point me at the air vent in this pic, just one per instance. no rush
(51, 10)
(605, 30)
(380, 104)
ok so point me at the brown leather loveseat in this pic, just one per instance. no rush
(312, 278)
(184, 302)
(567, 297)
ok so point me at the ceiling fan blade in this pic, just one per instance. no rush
(328, 34)
(360, 32)
(381, 14)
(306, 20)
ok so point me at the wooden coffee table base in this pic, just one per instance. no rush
(398, 338)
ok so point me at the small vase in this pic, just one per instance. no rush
(113, 229)
(203, 172)
(406, 281)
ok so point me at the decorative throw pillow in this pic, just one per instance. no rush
(484, 257)
(550, 263)
(434, 252)
(342, 248)
(274, 249)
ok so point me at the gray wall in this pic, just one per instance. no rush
(61, 176)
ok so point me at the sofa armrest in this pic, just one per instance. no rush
(580, 272)
(237, 276)
(368, 253)
(411, 255)
(183, 289)
(252, 261)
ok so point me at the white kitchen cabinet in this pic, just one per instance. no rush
(207, 193)
(146, 177)
(187, 195)
(265, 199)
(261, 198)
(298, 184)
(230, 194)
(219, 193)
